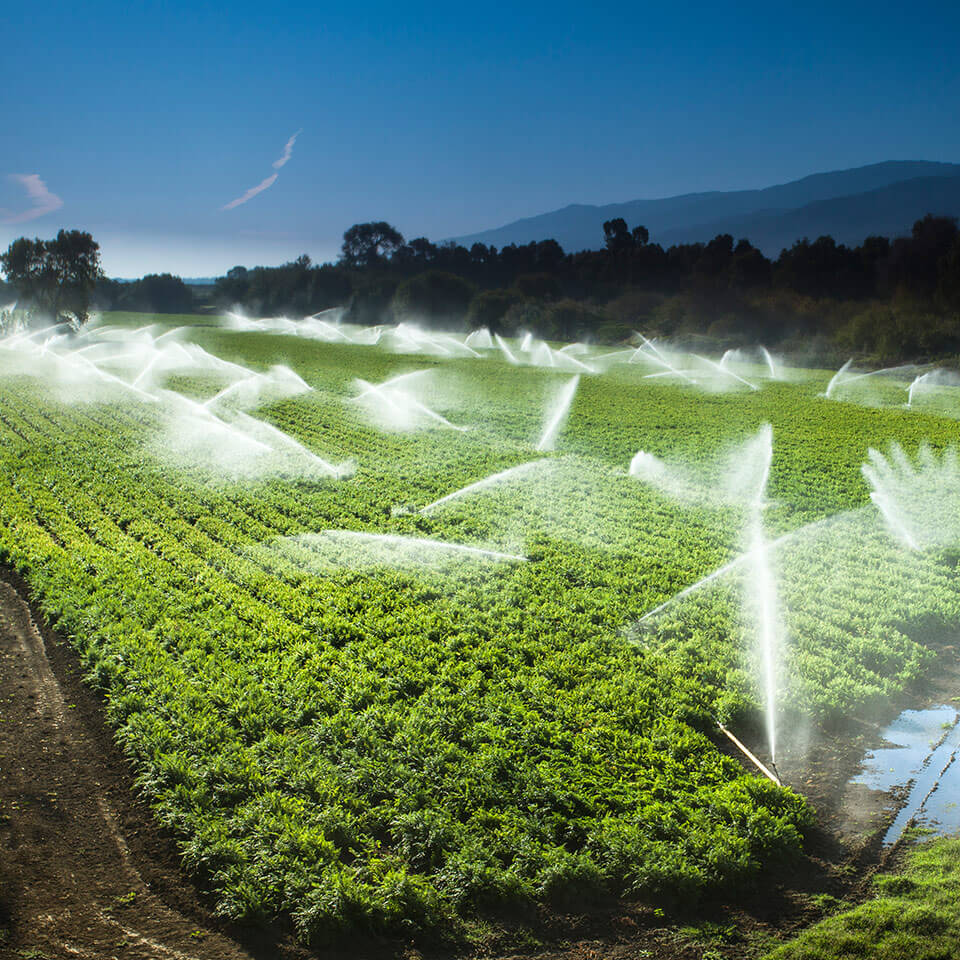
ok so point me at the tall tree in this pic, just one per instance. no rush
(157, 293)
(366, 244)
(616, 235)
(55, 277)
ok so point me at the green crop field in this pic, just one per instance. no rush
(355, 732)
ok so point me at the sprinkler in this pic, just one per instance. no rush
(771, 775)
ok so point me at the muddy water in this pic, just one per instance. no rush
(922, 763)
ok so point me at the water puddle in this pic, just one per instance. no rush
(923, 758)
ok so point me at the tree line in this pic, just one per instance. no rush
(887, 298)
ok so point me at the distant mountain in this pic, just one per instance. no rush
(881, 198)
(887, 212)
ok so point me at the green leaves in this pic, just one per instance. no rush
(393, 748)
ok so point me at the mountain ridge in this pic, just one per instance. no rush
(689, 217)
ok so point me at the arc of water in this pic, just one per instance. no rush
(668, 373)
(835, 382)
(416, 542)
(766, 600)
(50, 342)
(761, 593)
(737, 562)
(319, 315)
(149, 397)
(143, 330)
(232, 388)
(25, 336)
(201, 412)
(835, 379)
(494, 478)
(658, 358)
(396, 398)
(650, 345)
(869, 373)
(236, 433)
(285, 440)
(765, 593)
(883, 504)
(729, 373)
(169, 333)
(502, 344)
(203, 359)
(930, 377)
(564, 402)
(612, 354)
(151, 363)
(371, 388)
(541, 355)
(424, 409)
(329, 327)
(480, 338)
(569, 358)
(770, 364)
(458, 345)
(913, 387)
(418, 338)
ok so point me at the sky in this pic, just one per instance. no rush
(191, 137)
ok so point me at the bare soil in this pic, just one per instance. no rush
(83, 871)
(86, 873)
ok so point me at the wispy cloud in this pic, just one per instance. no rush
(287, 150)
(268, 181)
(252, 192)
(42, 199)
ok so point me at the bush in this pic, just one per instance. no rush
(435, 297)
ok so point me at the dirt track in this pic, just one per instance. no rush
(82, 872)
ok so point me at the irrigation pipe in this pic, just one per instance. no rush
(764, 770)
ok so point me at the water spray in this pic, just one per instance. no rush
(502, 344)
(722, 369)
(509, 474)
(559, 415)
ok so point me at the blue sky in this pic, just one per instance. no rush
(141, 122)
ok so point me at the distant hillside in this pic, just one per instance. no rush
(881, 198)
(886, 212)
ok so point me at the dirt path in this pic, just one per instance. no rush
(77, 878)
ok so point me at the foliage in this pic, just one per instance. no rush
(353, 745)
(434, 297)
(916, 914)
(54, 277)
(366, 244)
(487, 309)
(885, 299)
(298, 287)
(154, 293)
